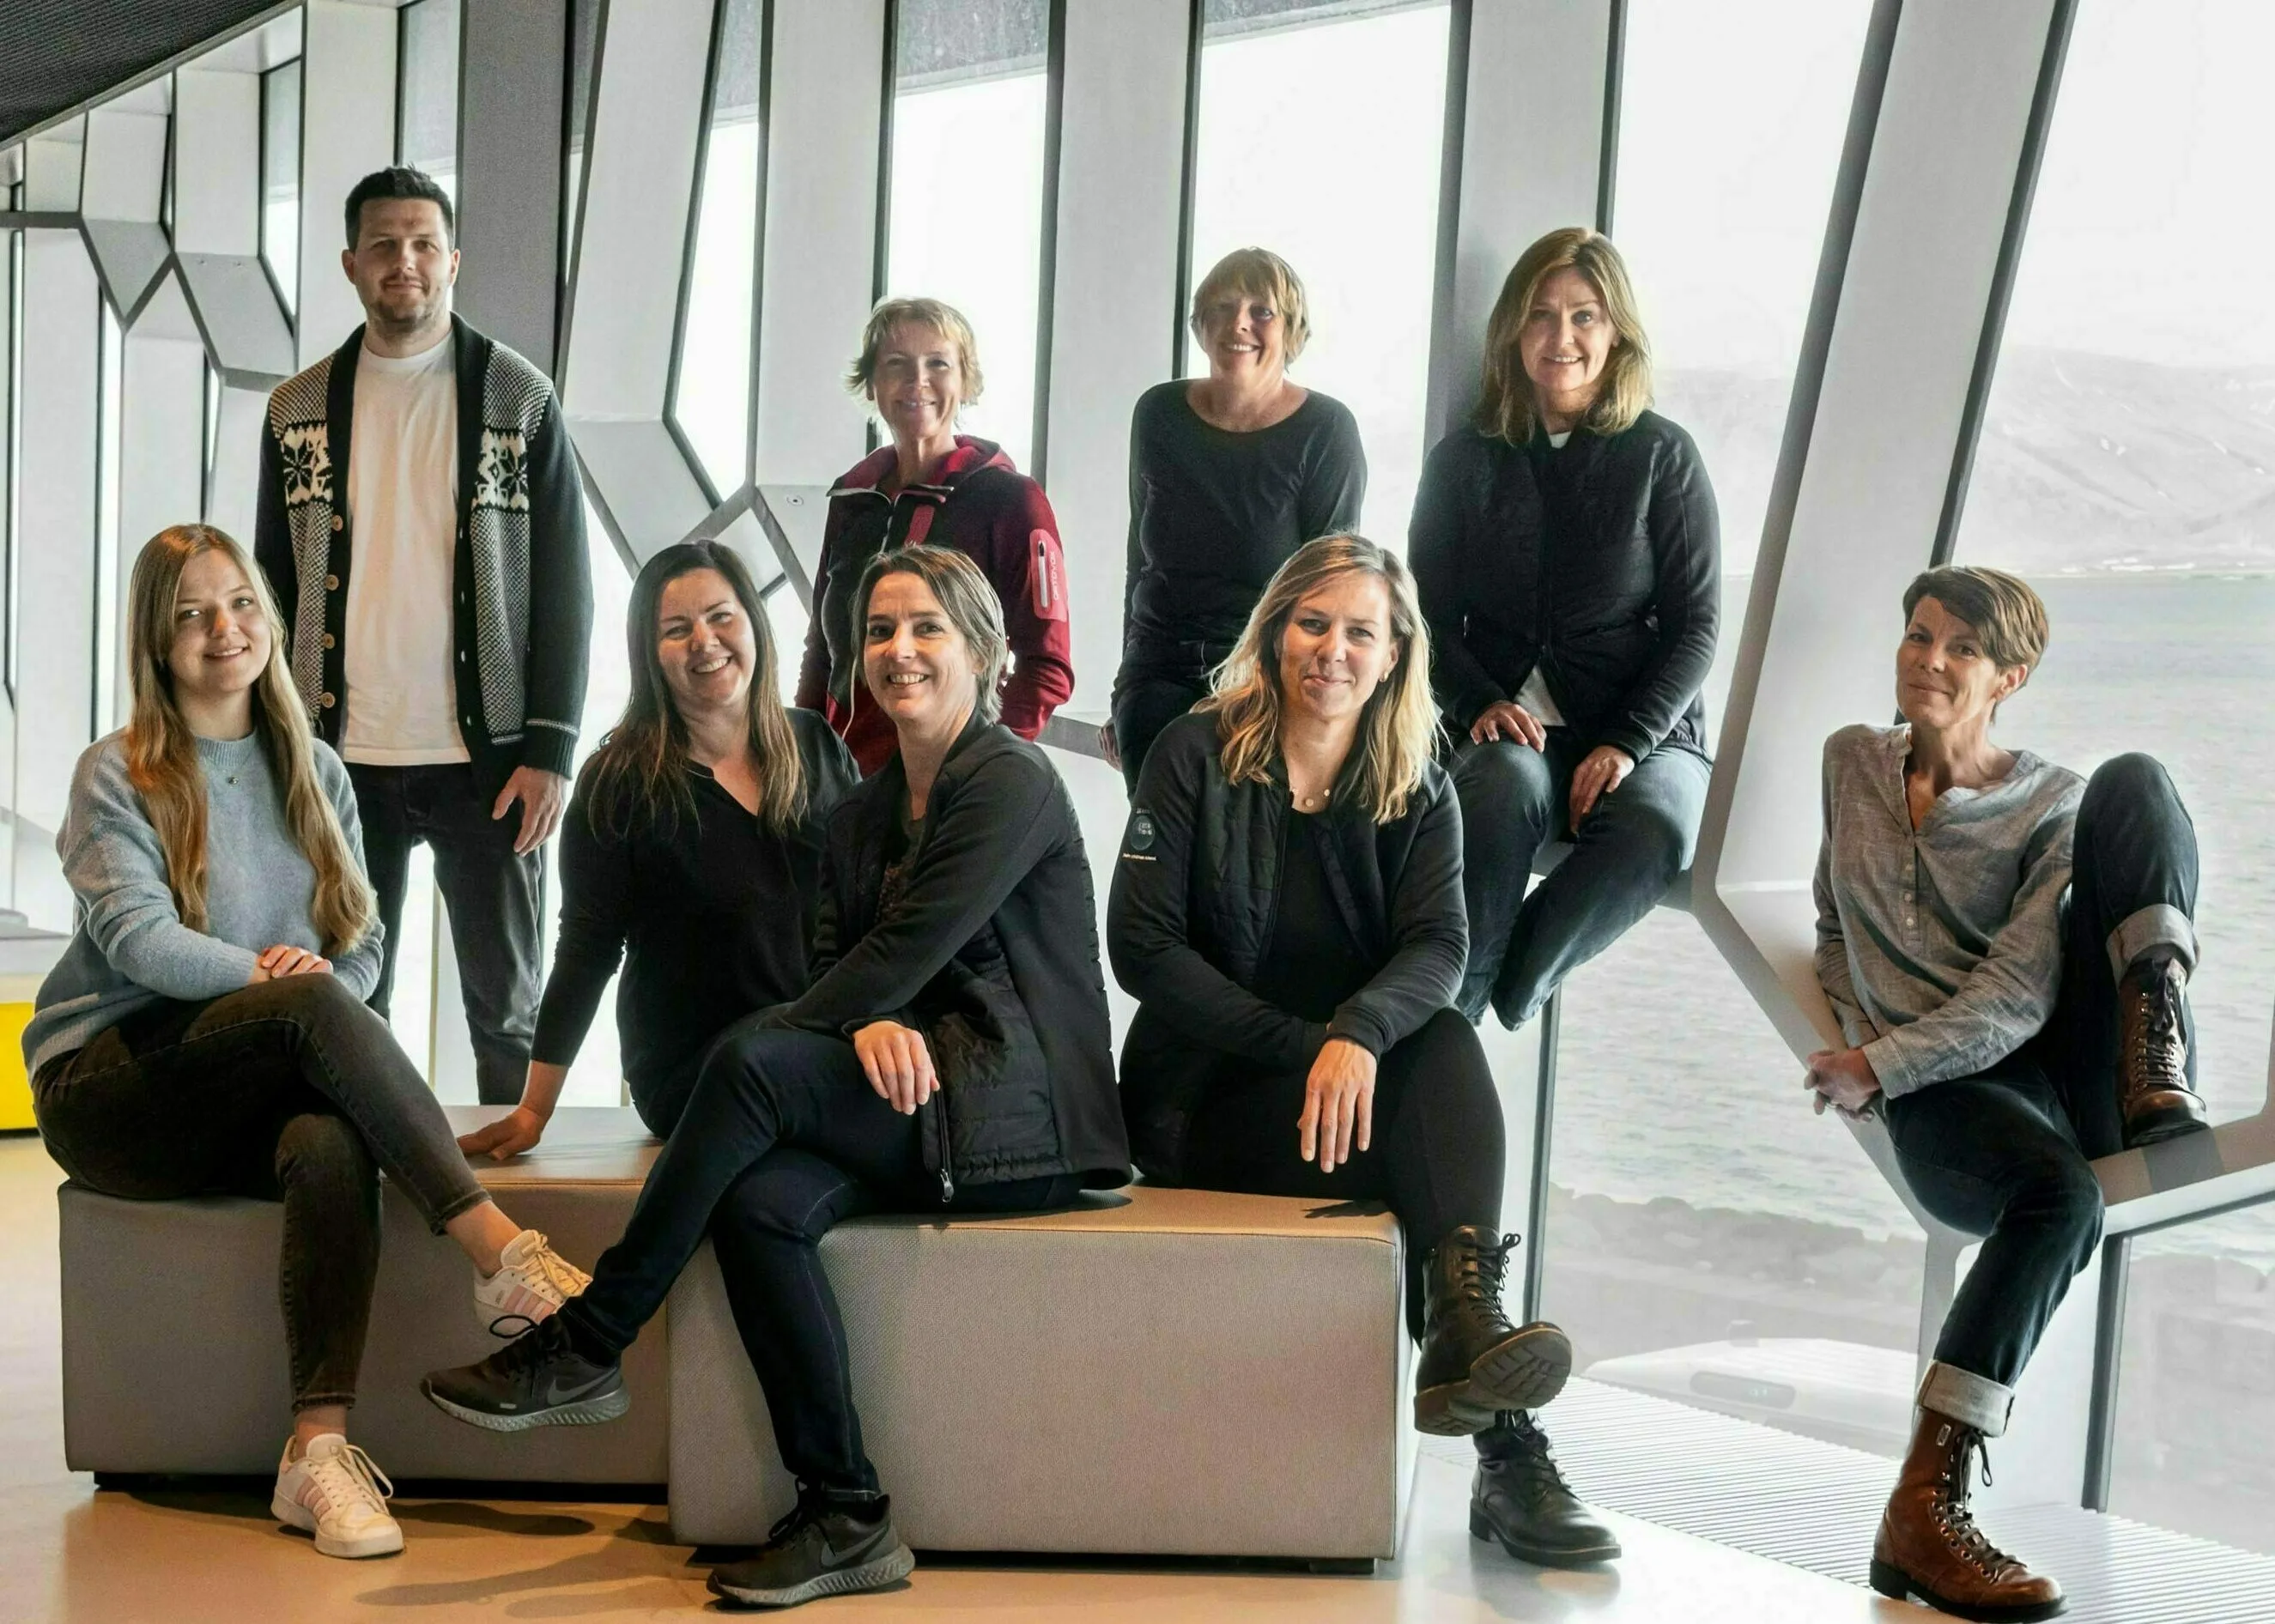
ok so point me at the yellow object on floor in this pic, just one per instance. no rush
(15, 1084)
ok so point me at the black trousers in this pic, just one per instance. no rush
(781, 1139)
(495, 899)
(1152, 690)
(1514, 799)
(2004, 1154)
(288, 1090)
(1437, 1152)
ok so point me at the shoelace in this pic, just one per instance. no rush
(1481, 1282)
(1537, 1459)
(554, 1275)
(1959, 1516)
(2159, 1051)
(548, 1340)
(352, 1475)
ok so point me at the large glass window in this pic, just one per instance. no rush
(2126, 467)
(2127, 462)
(427, 123)
(1322, 135)
(966, 220)
(711, 394)
(1709, 1240)
(109, 419)
(280, 178)
(1721, 203)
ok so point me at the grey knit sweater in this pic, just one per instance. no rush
(129, 947)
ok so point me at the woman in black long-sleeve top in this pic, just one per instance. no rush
(1568, 560)
(1228, 475)
(1287, 910)
(953, 1052)
(692, 851)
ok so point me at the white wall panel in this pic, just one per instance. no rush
(347, 130)
(125, 164)
(216, 161)
(825, 87)
(1114, 309)
(57, 509)
(236, 461)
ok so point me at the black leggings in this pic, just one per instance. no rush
(1438, 1147)
(782, 1138)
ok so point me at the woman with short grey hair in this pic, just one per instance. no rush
(2007, 949)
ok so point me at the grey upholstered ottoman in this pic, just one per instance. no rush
(1159, 1371)
(173, 1350)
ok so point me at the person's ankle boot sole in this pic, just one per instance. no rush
(1890, 1580)
(1481, 1527)
(890, 1569)
(2172, 1116)
(1521, 1371)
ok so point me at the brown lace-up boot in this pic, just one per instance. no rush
(2152, 1053)
(1929, 1547)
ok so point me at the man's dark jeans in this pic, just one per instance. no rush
(2005, 1154)
(495, 899)
(1514, 799)
(781, 1139)
(288, 1090)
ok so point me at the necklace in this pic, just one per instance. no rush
(1310, 799)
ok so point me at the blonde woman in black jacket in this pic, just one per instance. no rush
(1568, 559)
(1286, 909)
(953, 1052)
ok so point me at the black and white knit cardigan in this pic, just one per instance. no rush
(523, 592)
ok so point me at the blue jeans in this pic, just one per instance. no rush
(2006, 1154)
(1514, 799)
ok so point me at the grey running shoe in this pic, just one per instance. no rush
(536, 1380)
(818, 1550)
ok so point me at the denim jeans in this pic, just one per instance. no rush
(495, 899)
(1514, 800)
(781, 1139)
(287, 1091)
(2006, 1154)
(1437, 1150)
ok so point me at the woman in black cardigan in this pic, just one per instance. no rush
(1287, 910)
(1568, 560)
(952, 1053)
(693, 850)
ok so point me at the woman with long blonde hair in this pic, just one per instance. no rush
(1569, 558)
(1287, 910)
(205, 1032)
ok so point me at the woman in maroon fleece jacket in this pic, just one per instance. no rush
(931, 485)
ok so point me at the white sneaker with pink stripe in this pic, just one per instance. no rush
(532, 1281)
(337, 1494)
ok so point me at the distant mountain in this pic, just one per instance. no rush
(2087, 462)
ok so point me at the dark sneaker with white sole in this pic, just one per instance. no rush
(538, 1379)
(819, 1549)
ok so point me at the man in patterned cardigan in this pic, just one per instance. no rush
(421, 521)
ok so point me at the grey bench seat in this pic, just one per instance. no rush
(1153, 1372)
(173, 1344)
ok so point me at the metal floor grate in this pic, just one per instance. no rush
(1814, 1506)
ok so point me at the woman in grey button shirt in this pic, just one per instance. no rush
(2007, 1031)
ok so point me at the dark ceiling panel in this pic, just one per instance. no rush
(55, 54)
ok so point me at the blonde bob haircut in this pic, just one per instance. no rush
(1399, 723)
(1505, 408)
(1256, 272)
(965, 595)
(942, 317)
(162, 753)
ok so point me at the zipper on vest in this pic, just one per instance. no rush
(947, 1153)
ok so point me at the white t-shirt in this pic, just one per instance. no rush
(403, 494)
(1534, 695)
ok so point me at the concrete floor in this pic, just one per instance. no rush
(70, 1553)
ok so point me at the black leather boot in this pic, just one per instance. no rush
(2152, 1053)
(1474, 1362)
(1521, 1498)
